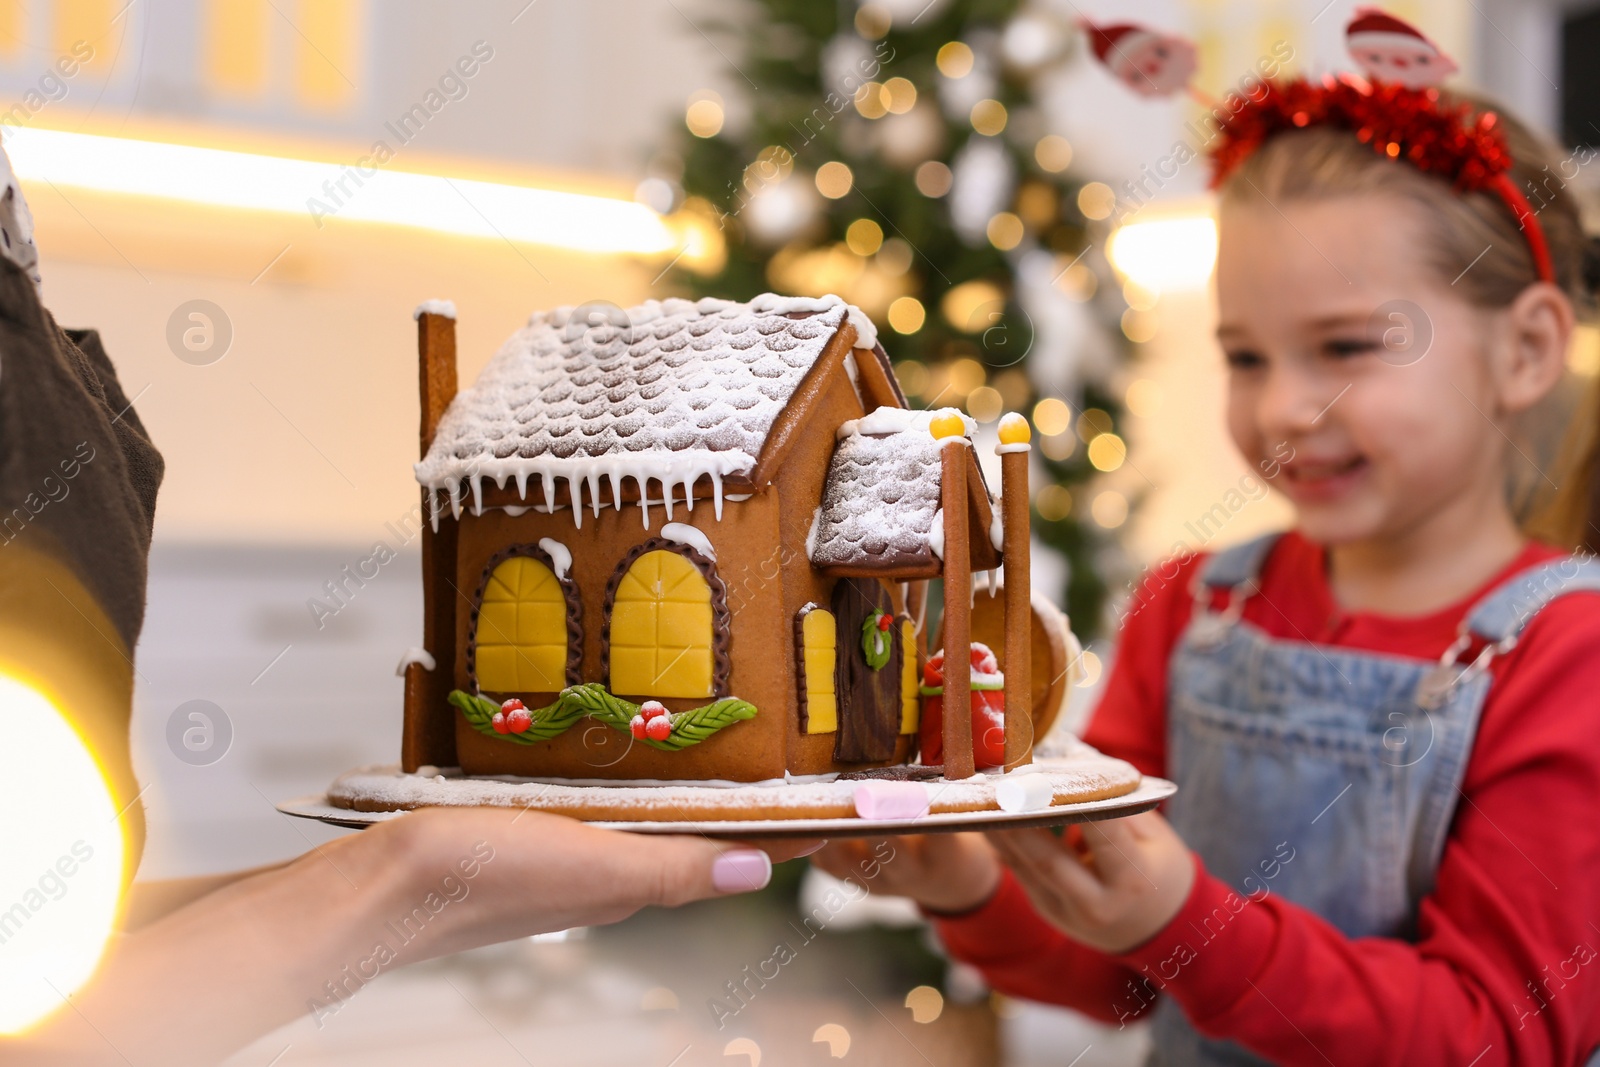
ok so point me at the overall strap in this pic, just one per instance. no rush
(1497, 621)
(1505, 612)
(1232, 567)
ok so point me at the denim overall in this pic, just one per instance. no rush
(1348, 762)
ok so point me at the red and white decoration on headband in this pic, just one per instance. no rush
(1391, 50)
(1397, 109)
(1149, 63)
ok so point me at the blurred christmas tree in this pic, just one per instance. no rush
(896, 153)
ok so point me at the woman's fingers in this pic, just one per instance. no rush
(676, 870)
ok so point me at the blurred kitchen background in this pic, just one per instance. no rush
(288, 421)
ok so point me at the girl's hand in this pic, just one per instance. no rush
(942, 872)
(1113, 887)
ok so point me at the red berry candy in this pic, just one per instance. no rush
(519, 721)
(650, 709)
(884, 622)
(658, 728)
(512, 705)
(499, 722)
(636, 727)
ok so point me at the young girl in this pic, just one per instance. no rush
(1384, 723)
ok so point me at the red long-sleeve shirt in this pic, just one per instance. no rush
(1506, 967)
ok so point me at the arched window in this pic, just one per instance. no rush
(525, 636)
(819, 654)
(667, 624)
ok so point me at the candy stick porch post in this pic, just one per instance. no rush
(958, 756)
(1013, 450)
(428, 735)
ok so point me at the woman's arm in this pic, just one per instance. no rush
(250, 955)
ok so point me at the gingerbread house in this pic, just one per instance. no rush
(720, 515)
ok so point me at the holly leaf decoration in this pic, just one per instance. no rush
(550, 721)
(688, 727)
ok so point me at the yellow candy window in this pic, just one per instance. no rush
(908, 677)
(661, 622)
(818, 638)
(522, 630)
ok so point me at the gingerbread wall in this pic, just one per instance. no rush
(760, 672)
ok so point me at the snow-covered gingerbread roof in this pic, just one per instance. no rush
(679, 391)
(880, 504)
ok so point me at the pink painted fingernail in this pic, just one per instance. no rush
(818, 847)
(741, 870)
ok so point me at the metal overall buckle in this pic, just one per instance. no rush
(1210, 628)
(1444, 678)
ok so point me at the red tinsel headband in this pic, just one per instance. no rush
(1446, 140)
(1399, 112)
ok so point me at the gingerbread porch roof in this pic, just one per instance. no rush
(880, 511)
(679, 391)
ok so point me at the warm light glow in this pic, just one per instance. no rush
(864, 237)
(62, 850)
(1139, 326)
(1166, 254)
(971, 306)
(1052, 416)
(984, 404)
(989, 117)
(1107, 452)
(954, 60)
(872, 101)
(1096, 200)
(1054, 503)
(1092, 423)
(902, 95)
(704, 116)
(1109, 509)
(1005, 231)
(305, 187)
(1053, 153)
(834, 180)
(926, 1003)
(933, 179)
(965, 375)
(906, 315)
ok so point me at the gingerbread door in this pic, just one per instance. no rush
(868, 695)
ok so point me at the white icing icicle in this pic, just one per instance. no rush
(936, 534)
(560, 557)
(684, 534)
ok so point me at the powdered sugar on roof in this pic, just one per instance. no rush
(881, 499)
(678, 391)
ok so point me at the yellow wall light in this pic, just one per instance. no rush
(1166, 253)
(61, 858)
(322, 190)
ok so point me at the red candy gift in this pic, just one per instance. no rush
(988, 709)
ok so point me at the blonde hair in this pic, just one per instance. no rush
(1474, 241)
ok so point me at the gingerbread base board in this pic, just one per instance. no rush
(1084, 788)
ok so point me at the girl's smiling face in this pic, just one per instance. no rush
(1365, 386)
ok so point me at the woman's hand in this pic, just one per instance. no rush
(1113, 887)
(942, 872)
(533, 873)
